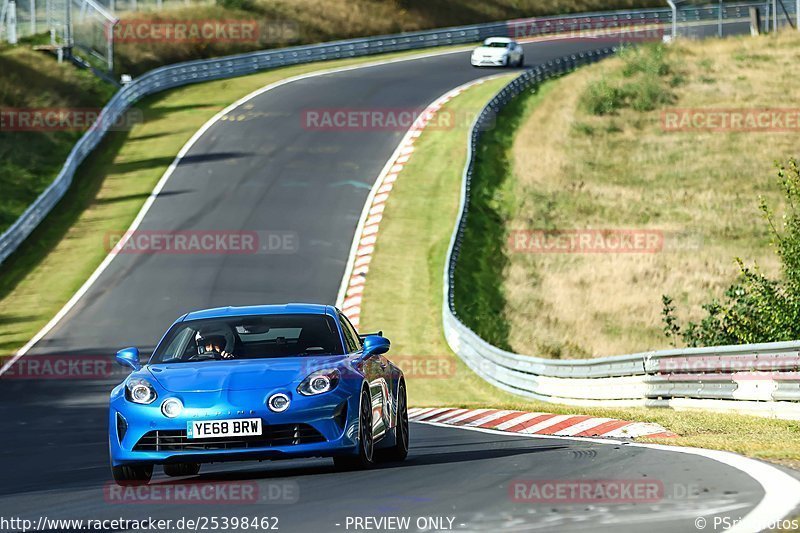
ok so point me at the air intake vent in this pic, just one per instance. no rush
(277, 435)
(122, 427)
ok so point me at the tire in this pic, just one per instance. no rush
(132, 474)
(366, 446)
(399, 451)
(182, 469)
(521, 62)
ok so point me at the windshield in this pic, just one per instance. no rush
(497, 45)
(249, 337)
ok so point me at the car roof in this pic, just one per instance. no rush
(504, 40)
(250, 310)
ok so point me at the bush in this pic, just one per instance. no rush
(245, 5)
(647, 94)
(651, 61)
(645, 85)
(755, 308)
(602, 98)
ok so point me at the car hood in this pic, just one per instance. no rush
(251, 374)
(489, 51)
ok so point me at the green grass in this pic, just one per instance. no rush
(404, 284)
(29, 160)
(482, 262)
(109, 189)
(593, 154)
(291, 22)
(403, 297)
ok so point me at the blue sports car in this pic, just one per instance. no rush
(254, 383)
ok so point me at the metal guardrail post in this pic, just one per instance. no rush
(674, 9)
(11, 22)
(724, 378)
(632, 374)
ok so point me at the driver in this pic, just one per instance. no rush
(214, 342)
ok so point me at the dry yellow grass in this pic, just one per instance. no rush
(403, 297)
(572, 170)
(370, 16)
(289, 22)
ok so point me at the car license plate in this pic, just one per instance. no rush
(212, 429)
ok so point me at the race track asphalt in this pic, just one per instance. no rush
(268, 172)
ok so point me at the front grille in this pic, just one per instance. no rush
(274, 435)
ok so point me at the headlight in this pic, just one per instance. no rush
(171, 407)
(319, 382)
(140, 391)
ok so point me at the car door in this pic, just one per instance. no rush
(374, 370)
(516, 52)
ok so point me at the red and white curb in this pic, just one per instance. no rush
(366, 235)
(539, 423)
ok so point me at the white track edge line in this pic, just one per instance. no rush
(348, 270)
(81, 292)
(143, 211)
(781, 491)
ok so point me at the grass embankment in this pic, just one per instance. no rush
(594, 153)
(29, 160)
(403, 296)
(292, 22)
(110, 188)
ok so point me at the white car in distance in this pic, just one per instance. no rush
(498, 52)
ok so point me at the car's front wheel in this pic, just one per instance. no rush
(132, 474)
(399, 451)
(182, 469)
(364, 457)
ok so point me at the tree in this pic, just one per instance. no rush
(755, 308)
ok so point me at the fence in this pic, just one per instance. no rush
(171, 76)
(85, 24)
(121, 6)
(773, 14)
(760, 379)
(638, 379)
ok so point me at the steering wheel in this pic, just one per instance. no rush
(205, 356)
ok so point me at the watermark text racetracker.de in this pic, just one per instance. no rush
(386, 119)
(220, 492)
(600, 241)
(719, 120)
(413, 366)
(50, 119)
(204, 30)
(610, 491)
(200, 242)
(586, 491)
(63, 367)
(764, 367)
(597, 30)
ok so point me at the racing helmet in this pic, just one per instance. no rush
(217, 335)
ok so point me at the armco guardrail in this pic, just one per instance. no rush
(181, 74)
(760, 379)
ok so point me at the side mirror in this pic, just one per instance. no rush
(375, 345)
(129, 357)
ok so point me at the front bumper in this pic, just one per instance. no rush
(338, 433)
(488, 61)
